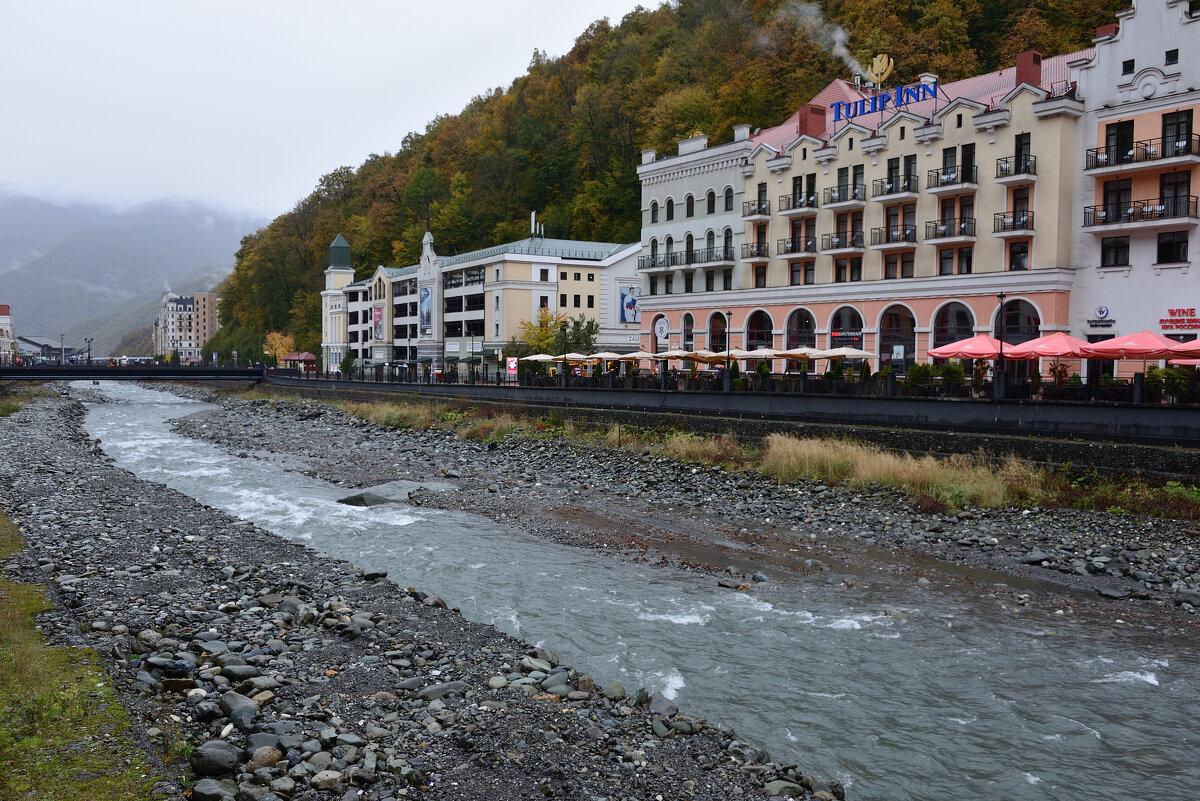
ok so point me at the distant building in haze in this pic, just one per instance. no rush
(8, 339)
(184, 324)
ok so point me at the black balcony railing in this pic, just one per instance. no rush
(794, 202)
(756, 250)
(796, 245)
(942, 229)
(709, 255)
(845, 192)
(895, 184)
(1140, 210)
(1166, 147)
(843, 239)
(896, 235)
(1012, 221)
(952, 176)
(753, 207)
(1016, 165)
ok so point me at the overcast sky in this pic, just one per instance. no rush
(246, 103)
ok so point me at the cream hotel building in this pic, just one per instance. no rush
(900, 218)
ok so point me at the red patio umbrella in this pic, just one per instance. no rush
(1052, 346)
(1188, 348)
(980, 346)
(1142, 345)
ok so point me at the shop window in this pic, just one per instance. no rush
(1114, 251)
(1172, 247)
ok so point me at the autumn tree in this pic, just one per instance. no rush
(277, 345)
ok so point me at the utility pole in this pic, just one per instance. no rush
(89, 340)
(62, 349)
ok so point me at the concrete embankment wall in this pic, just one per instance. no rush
(1163, 441)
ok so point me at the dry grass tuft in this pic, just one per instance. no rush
(722, 450)
(493, 428)
(953, 481)
(392, 415)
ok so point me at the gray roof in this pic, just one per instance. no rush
(398, 272)
(540, 246)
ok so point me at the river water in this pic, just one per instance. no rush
(899, 694)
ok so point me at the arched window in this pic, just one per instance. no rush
(953, 323)
(654, 211)
(691, 256)
(727, 243)
(670, 248)
(689, 207)
(729, 198)
(759, 331)
(897, 337)
(688, 336)
(653, 252)
(801, 333)
(846, 328)
(718, 333)
(710, 244)
(670, 209)
(1020, 323)
(711, 202)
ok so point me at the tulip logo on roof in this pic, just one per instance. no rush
(881, 67)
(899, 97)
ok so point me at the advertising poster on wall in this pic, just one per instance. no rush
(377, 323)
(425, 310)
(510, 363)
(630, 313)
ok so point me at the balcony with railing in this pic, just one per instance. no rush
(952, 180)
(950, 229)
(756, 209)
(1012, 224)
(1147, 154)
(896, 187)
(843, 241)
(845, 196)
(1016, 170)
(1141, 214)
(798, 205)
(897, 237)
(756, 251)
(797, 246)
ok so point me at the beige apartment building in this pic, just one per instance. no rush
(185, 324)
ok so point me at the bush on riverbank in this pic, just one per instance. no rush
(58, 706)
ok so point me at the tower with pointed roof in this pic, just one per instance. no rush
(338, 276)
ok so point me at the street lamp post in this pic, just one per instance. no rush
(471, 364)
(89, 340)
(562, 329)
(62, 350)
(727, 380)
(999, 381)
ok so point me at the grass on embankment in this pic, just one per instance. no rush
(933, 483)
(63, 733)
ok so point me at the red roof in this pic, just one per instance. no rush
(988, 89)
(4, 309)
(300, 357)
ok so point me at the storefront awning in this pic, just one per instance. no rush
(426, 360)
(450, 359)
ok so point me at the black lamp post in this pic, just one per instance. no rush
(999, 382)
(728, 378)
(89, 340)
(562, 329)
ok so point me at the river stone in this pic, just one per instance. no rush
(661, 705)
(264, 757)
(1035, 558)
(497, 683)
(215, 758)
(1187, 597)
(784, 788)
(326, 779)
(532, 663)
(614, 691)
(239, 709)
(434, 691)
(213, 790)
(1115, 593)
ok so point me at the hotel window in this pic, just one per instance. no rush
(562, 276)
(1118, 140)
(810, 272)
(711, 202)
(1172, 57)
(670, 209)
(729, 198)
(545, 274)
(591, 276)
(946, 261)
(654, 212)
(1177, 133)
(1172, 247)
(578, 276)
(796, 273)
(653, 285)
(1127, 67)
(562, 301)
(727, 279)
(576, 299)
(1114, 251)
(591, 301)
(689, 280)
(1174, 189)
(709, 280)
(1018, 256)
(760, 276)
(668, 284)
(848, 270)
(966, 258)
(891, 265)
(689, 207)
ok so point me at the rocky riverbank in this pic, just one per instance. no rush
(259, 669)
(641, 507)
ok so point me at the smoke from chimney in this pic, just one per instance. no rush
(830, 36)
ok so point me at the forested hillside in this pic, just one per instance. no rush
(564, 139)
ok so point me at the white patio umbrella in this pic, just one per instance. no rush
(541, 357)
(844, 353)
(798, 353)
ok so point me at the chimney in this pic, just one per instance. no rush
(1029, 68)
(928, 77)
(1108, 30)
(811, 121)
(741, 133)
(648, 155)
